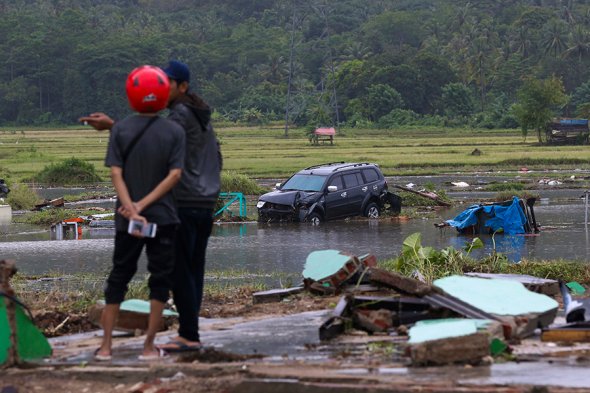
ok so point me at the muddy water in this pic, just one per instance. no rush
(262, 248)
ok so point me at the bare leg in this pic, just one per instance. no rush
(107, 320)
(156, 309)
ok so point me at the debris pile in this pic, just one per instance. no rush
(456, 319)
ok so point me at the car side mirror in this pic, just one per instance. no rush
(278, 186)
(332, 188)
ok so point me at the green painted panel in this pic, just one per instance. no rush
(498, 297)
(32, 344)
(324, 263)
(443, 328)
(142, 306)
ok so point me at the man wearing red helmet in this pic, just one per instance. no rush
(146, 156)
(196, 195)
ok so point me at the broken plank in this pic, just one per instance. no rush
(573, 332)
(398, 282)
(274, 295)
(334, 326)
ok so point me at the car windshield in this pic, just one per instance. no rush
(305, 183)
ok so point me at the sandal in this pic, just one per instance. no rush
(160, 354)
(179, 346)
(102, 358)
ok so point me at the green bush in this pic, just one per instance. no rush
(237, 182)
(22, 197)
(72, 171)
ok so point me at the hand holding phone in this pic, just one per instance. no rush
(142, 229)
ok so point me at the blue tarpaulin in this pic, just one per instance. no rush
(509, 219)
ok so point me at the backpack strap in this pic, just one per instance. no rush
(136, 139)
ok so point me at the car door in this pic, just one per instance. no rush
(372, 181)
(335, 201)
(355, 192)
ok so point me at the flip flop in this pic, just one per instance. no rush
(179, 346)
(102, 358)
(161, 354)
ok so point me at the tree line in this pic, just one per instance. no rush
(378, 63)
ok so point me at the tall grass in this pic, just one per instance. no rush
(22, 197)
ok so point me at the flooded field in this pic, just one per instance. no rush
(282, 248)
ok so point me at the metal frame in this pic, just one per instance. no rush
(233, 197)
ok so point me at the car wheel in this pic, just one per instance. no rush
(314, 219)
(372, 210)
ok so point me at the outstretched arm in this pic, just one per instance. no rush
(98, 120)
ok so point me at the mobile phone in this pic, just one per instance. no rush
(145, 230)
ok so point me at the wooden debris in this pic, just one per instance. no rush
(573, 332)
(274, 295)
(398, 282)
(57, 202)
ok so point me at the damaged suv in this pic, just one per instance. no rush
(326, 192)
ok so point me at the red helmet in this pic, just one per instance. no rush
(147, 89)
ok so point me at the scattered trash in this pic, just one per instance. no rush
(460, 184)
(429, 194)
(576, 310)
(58, 202)
(550, 182)
(576, 288)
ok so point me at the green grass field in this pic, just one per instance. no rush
(266, 153)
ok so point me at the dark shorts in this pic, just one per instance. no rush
(160, 256)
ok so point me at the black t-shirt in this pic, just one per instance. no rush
(160, 149)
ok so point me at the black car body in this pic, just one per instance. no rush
(326, 192)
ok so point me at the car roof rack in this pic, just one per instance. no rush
(326, 164)
(349, 165)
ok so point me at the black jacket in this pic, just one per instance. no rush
(200, 183)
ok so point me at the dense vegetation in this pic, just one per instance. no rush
(380, 63)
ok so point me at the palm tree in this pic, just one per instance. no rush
(521, 42)
(356, 51)
(554, 38)
(579, 44)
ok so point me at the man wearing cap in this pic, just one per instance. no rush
(196, 195)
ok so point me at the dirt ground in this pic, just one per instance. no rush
(235, 302)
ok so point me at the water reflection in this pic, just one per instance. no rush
(262, 248)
